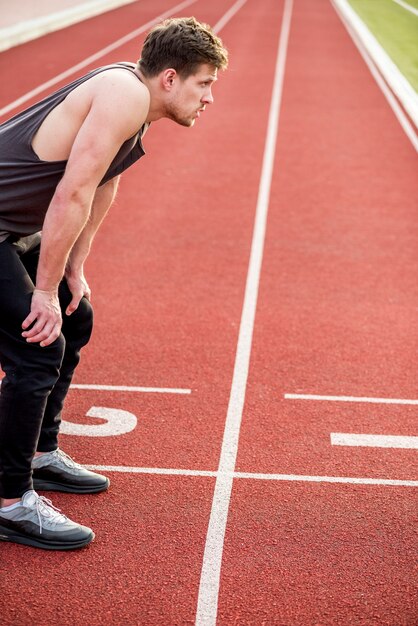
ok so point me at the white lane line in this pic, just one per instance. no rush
(94, 57)
(302, 396)
(375, 57)
(374, 441)
(132, 389)
(150, 470)
(212, 559)
(349, 480)
(407, 6)
(228, 15)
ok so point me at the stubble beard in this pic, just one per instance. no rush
(173, 114)
(183, 121)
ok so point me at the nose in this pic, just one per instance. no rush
(208, 97)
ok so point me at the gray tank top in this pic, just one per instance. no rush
(27, 183)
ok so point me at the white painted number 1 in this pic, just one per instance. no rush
(118, 422)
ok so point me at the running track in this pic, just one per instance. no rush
(208, 279)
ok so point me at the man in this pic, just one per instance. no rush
(60, 163)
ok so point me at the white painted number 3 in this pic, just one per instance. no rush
(118, 422)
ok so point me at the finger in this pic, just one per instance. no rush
(41, 336)
(52, 337)
(43, 333)
(47, 335)
(36, 328)
(29, 320)
(73, 304)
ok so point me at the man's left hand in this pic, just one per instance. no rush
(78, 286)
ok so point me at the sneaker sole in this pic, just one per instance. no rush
(46, 485)
(6, 534)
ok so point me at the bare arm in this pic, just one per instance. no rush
(101, 134)
(74, 271)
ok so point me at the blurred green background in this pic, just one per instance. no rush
(396, 29)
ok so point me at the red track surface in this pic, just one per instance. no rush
(336, 315)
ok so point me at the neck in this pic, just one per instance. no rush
(156, 110)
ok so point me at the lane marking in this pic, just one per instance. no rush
(228, 15)
(210, 577)
(374, 441)
(150, 470)
(302, 396)
(117, 422)
(94, 57)
(349, 480)
(131, 389)
(375, 57)
(407, 6)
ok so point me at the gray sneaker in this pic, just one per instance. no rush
(56, 471)
(36, 522)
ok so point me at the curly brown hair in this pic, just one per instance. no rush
(183, 44)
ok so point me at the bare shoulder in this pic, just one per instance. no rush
(111, 106)
(120, 84)
(116, 93)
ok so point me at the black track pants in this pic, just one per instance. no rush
(36, 379)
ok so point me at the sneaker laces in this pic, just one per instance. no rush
(67, 460)
(45, 508)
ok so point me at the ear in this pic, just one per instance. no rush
(168, 77)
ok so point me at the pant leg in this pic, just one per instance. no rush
(30, 374)
(76, 329)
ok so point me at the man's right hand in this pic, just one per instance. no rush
(45, 315)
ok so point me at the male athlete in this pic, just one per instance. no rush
(60, 162)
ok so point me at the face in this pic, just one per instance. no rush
(188, 97)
